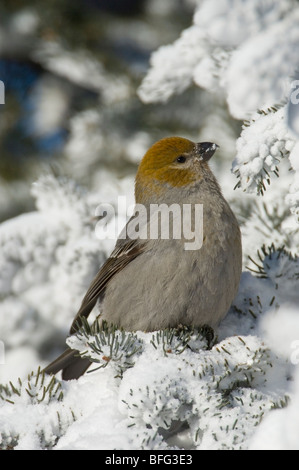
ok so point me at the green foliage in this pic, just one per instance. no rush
(269, 221)
(263, 178)
(176, 340)
(274, 144)
(39, 411)
(214, 399)
(178, 386)
(108, 345)
(275, 263)
(38, 387)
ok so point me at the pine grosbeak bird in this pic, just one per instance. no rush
(151, 284)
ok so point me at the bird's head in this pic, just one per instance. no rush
(173, 162)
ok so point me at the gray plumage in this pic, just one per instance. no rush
(153, 284)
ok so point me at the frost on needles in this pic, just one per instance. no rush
(173, 388)
(237, 388)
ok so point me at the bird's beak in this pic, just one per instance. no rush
(205, 150)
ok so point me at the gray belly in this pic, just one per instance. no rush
(174, 286)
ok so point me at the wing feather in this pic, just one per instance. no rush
(124, 252)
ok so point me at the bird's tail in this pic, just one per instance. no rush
(71, 364)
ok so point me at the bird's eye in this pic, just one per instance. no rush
(181, 159)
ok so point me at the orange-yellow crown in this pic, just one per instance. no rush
(164, 152)
(170, 162)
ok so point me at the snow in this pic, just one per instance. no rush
(104, 411)
(161, 390)
(282, 331)
(279, 430)
(132, 401)
(172, 67)
(267, 59)
(24, 22)
(292, 108)
(293, 197)
(80, 68)
(237, 27)
(260, 147)
(50, 100)
(242, 48)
